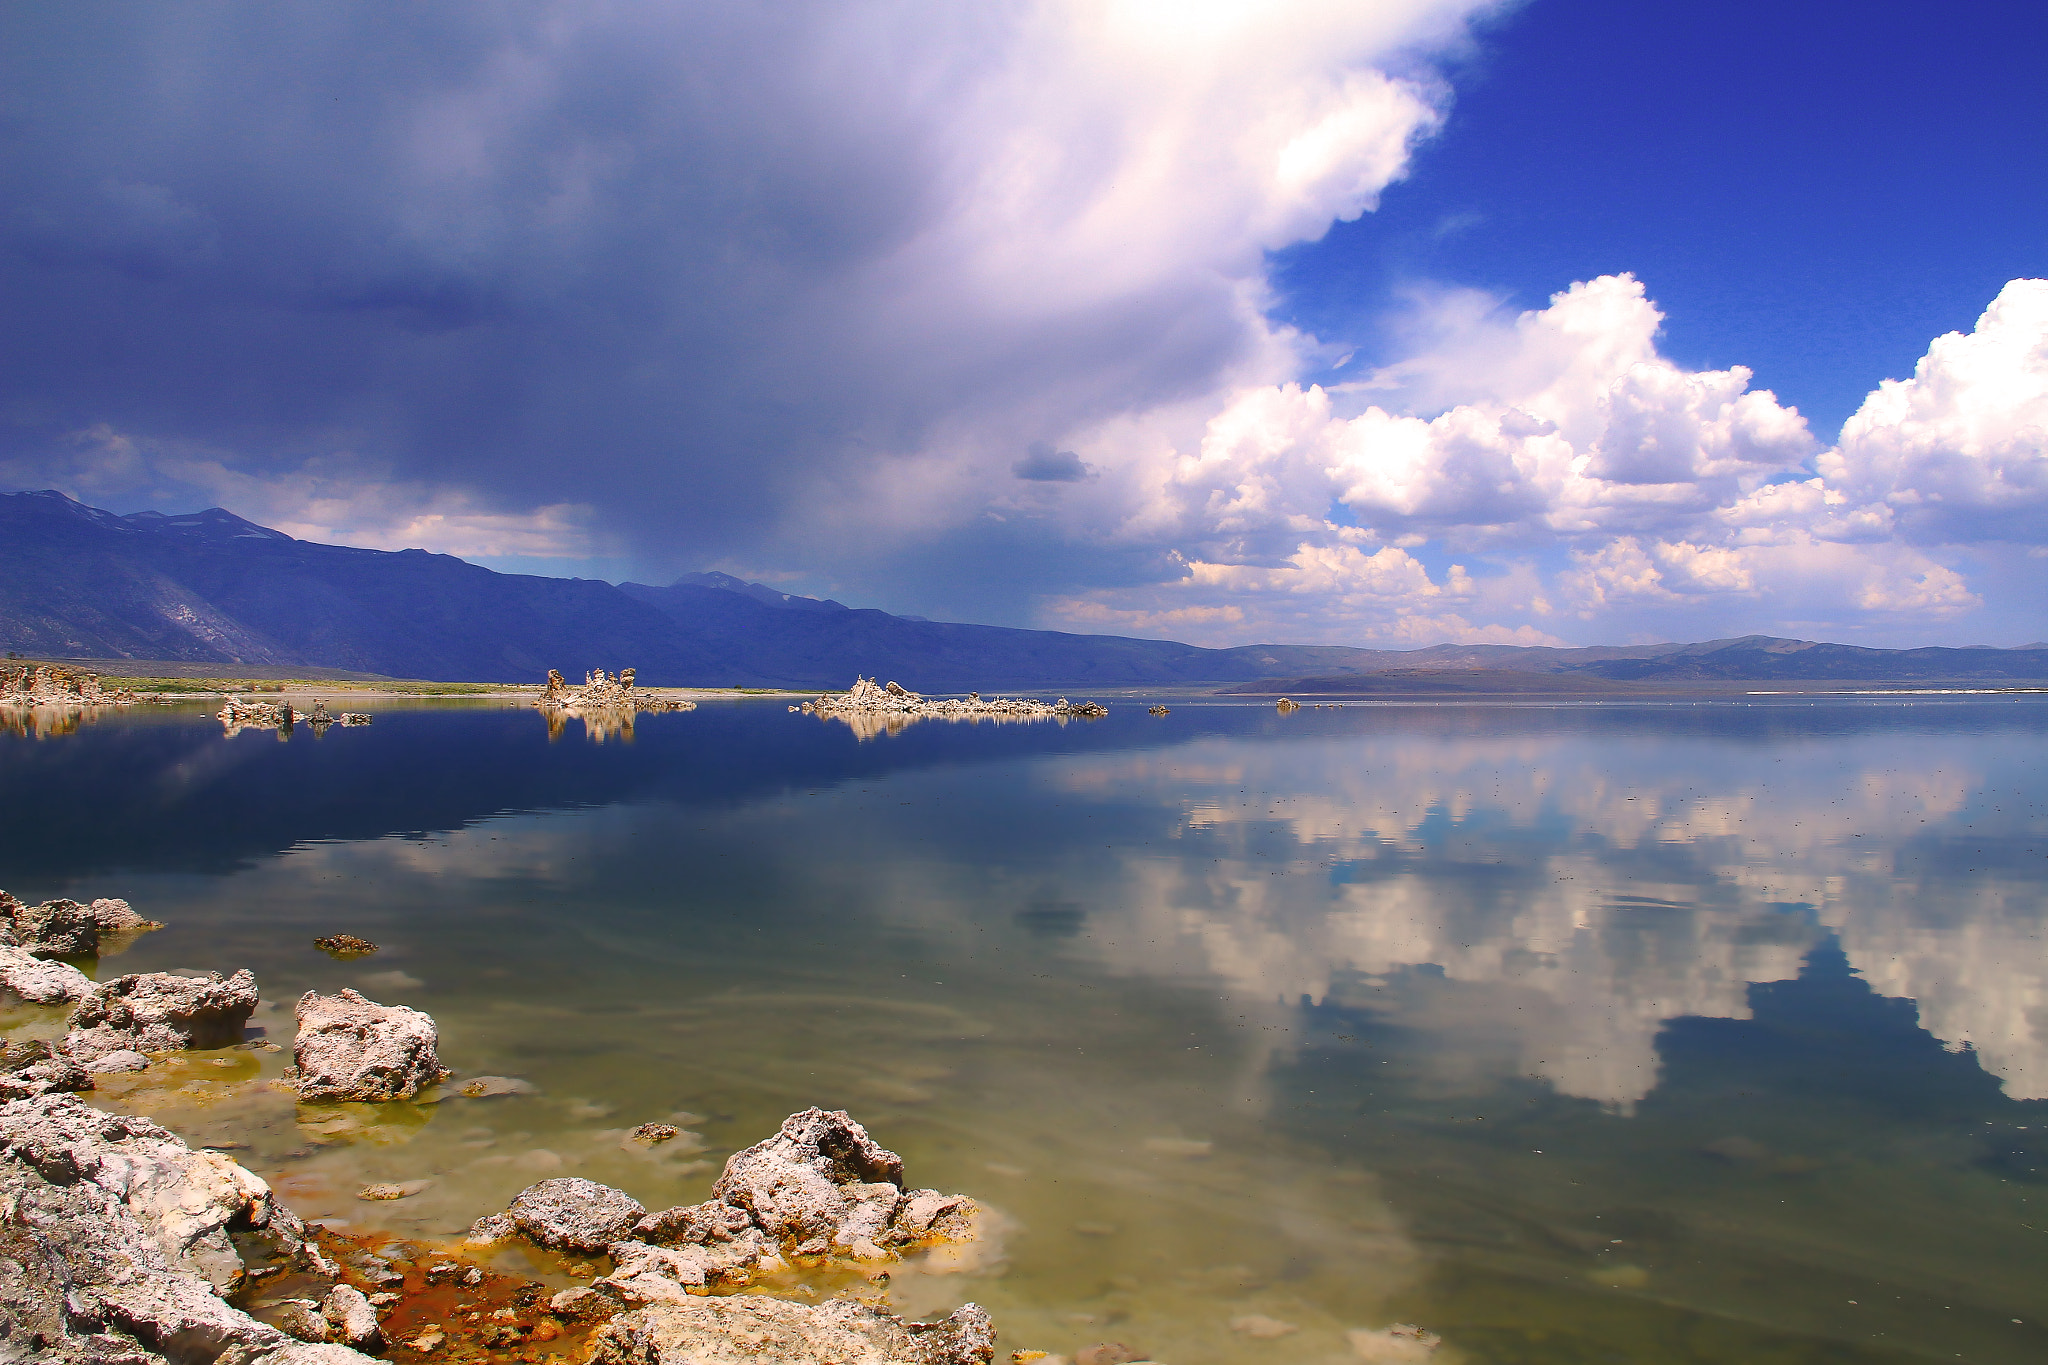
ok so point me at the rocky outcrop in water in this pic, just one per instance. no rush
(820, 1187)
(119, 1241)
(744, 1330)
(54, 685)
(602, 691)
(160, 1012)
(344, 947)
(59, 928)
(68, 928)
(246, 713)
(605, 704)
(352, 1048)
(869, 698)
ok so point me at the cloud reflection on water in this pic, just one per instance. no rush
(1610, 898)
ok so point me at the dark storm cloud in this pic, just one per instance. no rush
(664, 260)
(692, 278)
(1043, 464)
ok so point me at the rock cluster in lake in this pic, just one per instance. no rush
(606, 704)
(121, 1244)
(31, 935)
(54, 685)
(247, 713)
(820, 1188)
(869, 697)
(602, 691)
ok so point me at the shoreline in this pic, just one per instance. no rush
(794, 1238)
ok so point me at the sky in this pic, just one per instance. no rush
(1389, 322)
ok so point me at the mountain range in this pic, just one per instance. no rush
(212, 587)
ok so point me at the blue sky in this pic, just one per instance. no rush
(1381, 323)
(1809, 189)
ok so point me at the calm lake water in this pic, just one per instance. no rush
(1708, 1032)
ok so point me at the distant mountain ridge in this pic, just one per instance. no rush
(214, 587)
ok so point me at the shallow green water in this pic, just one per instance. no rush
(1575, 1033)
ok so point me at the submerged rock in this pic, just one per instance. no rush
(346, 947)
(352, 1048)
(1401, 1344)
(159, 1012)
(116, 1244)
(743, 1330)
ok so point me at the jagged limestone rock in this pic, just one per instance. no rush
(160, 1012)
(352, 1048)
(746, 1330)
(115, 1248)
(820, 1187)
(33, 1068)
(67, 928)
(57, 928)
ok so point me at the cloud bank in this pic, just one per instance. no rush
(1585, 478)
(790, 289)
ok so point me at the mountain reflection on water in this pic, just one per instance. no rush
(1645, 1032)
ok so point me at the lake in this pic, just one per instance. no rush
(1675, 1031)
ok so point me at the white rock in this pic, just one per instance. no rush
(352, 1048)
(130, 1230)
(41, 983)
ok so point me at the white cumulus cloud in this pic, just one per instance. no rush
(1577, 474)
